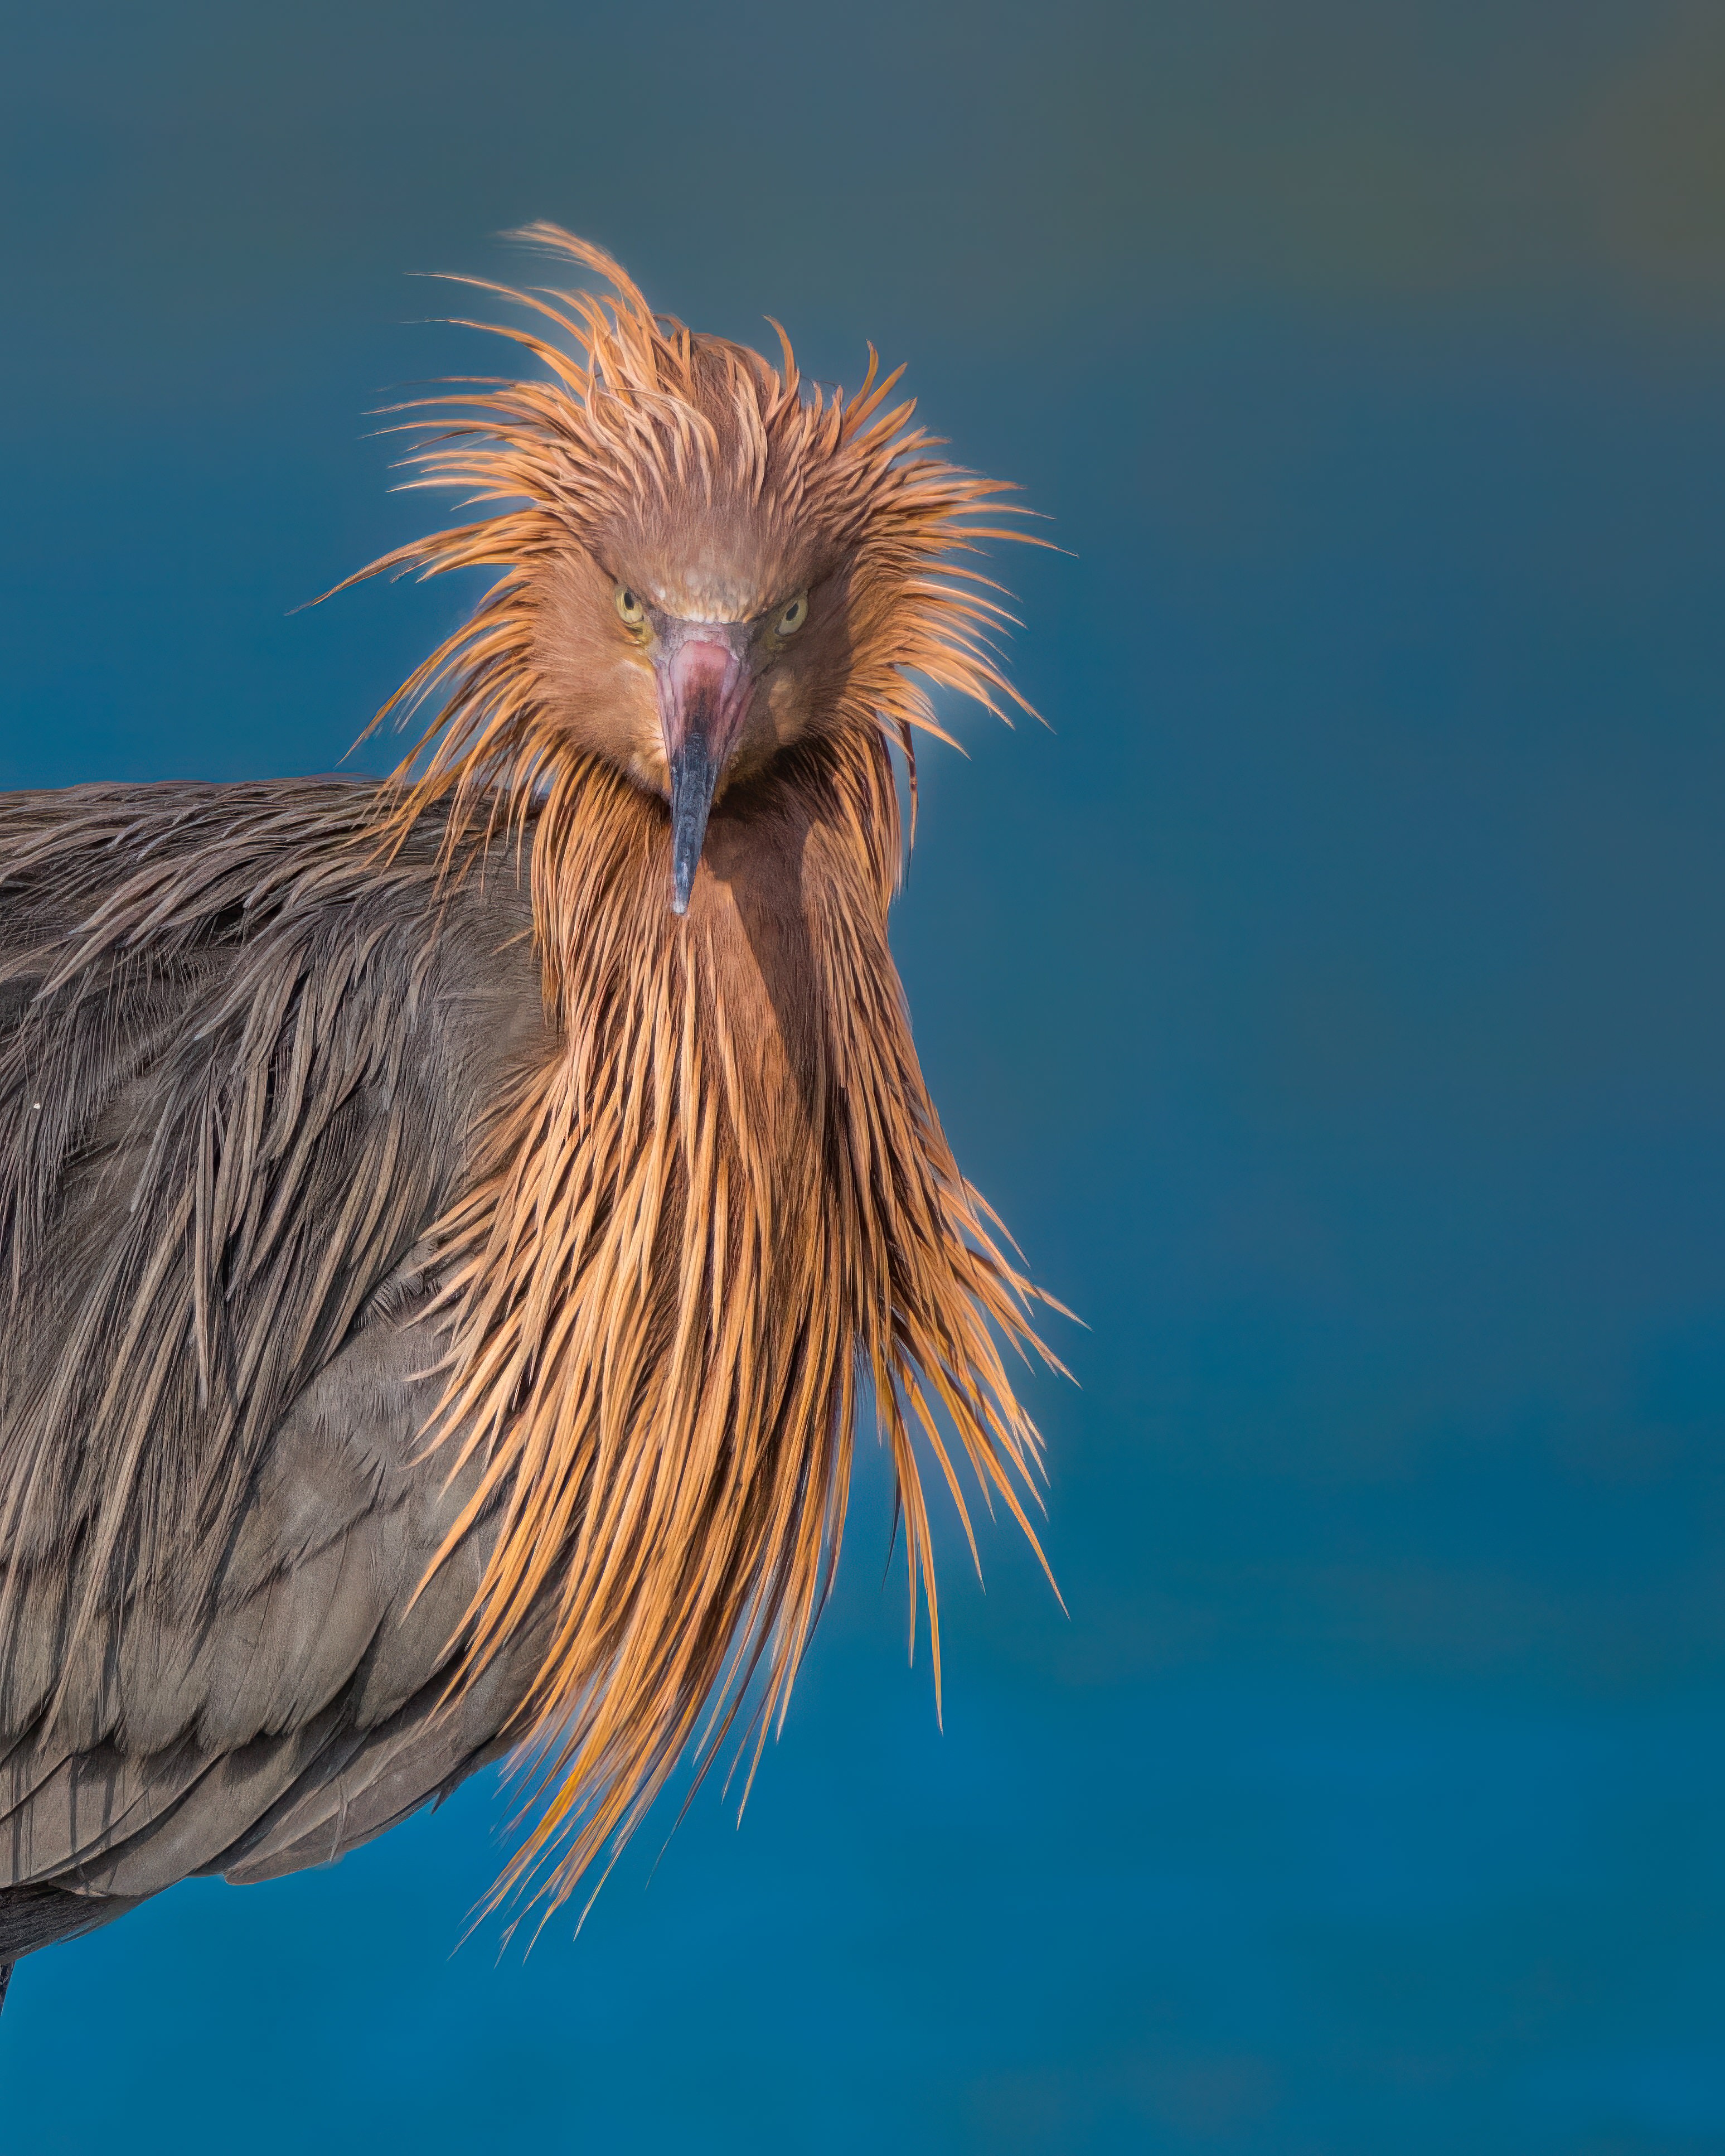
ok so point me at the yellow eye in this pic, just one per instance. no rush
(794, 616)
(629, 607)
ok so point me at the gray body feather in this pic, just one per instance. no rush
(242, 1066)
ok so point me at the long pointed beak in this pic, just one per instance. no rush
(704, 684)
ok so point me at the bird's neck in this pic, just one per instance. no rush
(782, 959)
(723, 1203)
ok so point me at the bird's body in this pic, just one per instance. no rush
(438, 1275)
(251, 1661)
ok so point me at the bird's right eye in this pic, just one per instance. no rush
(629, 607)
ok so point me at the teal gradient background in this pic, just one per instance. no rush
(1329, 999)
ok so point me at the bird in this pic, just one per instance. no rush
(453, 1226)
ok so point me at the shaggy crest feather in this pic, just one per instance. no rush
(706, 1227)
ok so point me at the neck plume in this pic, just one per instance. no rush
(723, 1216)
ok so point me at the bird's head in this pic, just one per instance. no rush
(701, 628)
(705, 561)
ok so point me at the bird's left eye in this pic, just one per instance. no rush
(629, 607)
(793, 617)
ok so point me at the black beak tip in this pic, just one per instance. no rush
(685, 866)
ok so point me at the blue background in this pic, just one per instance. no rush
(1330, 1001)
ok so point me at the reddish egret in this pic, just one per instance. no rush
(450, 1226)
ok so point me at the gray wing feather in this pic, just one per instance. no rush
(89, 1802)
(242, 1064)
(235, 1790)
(421, 1754)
